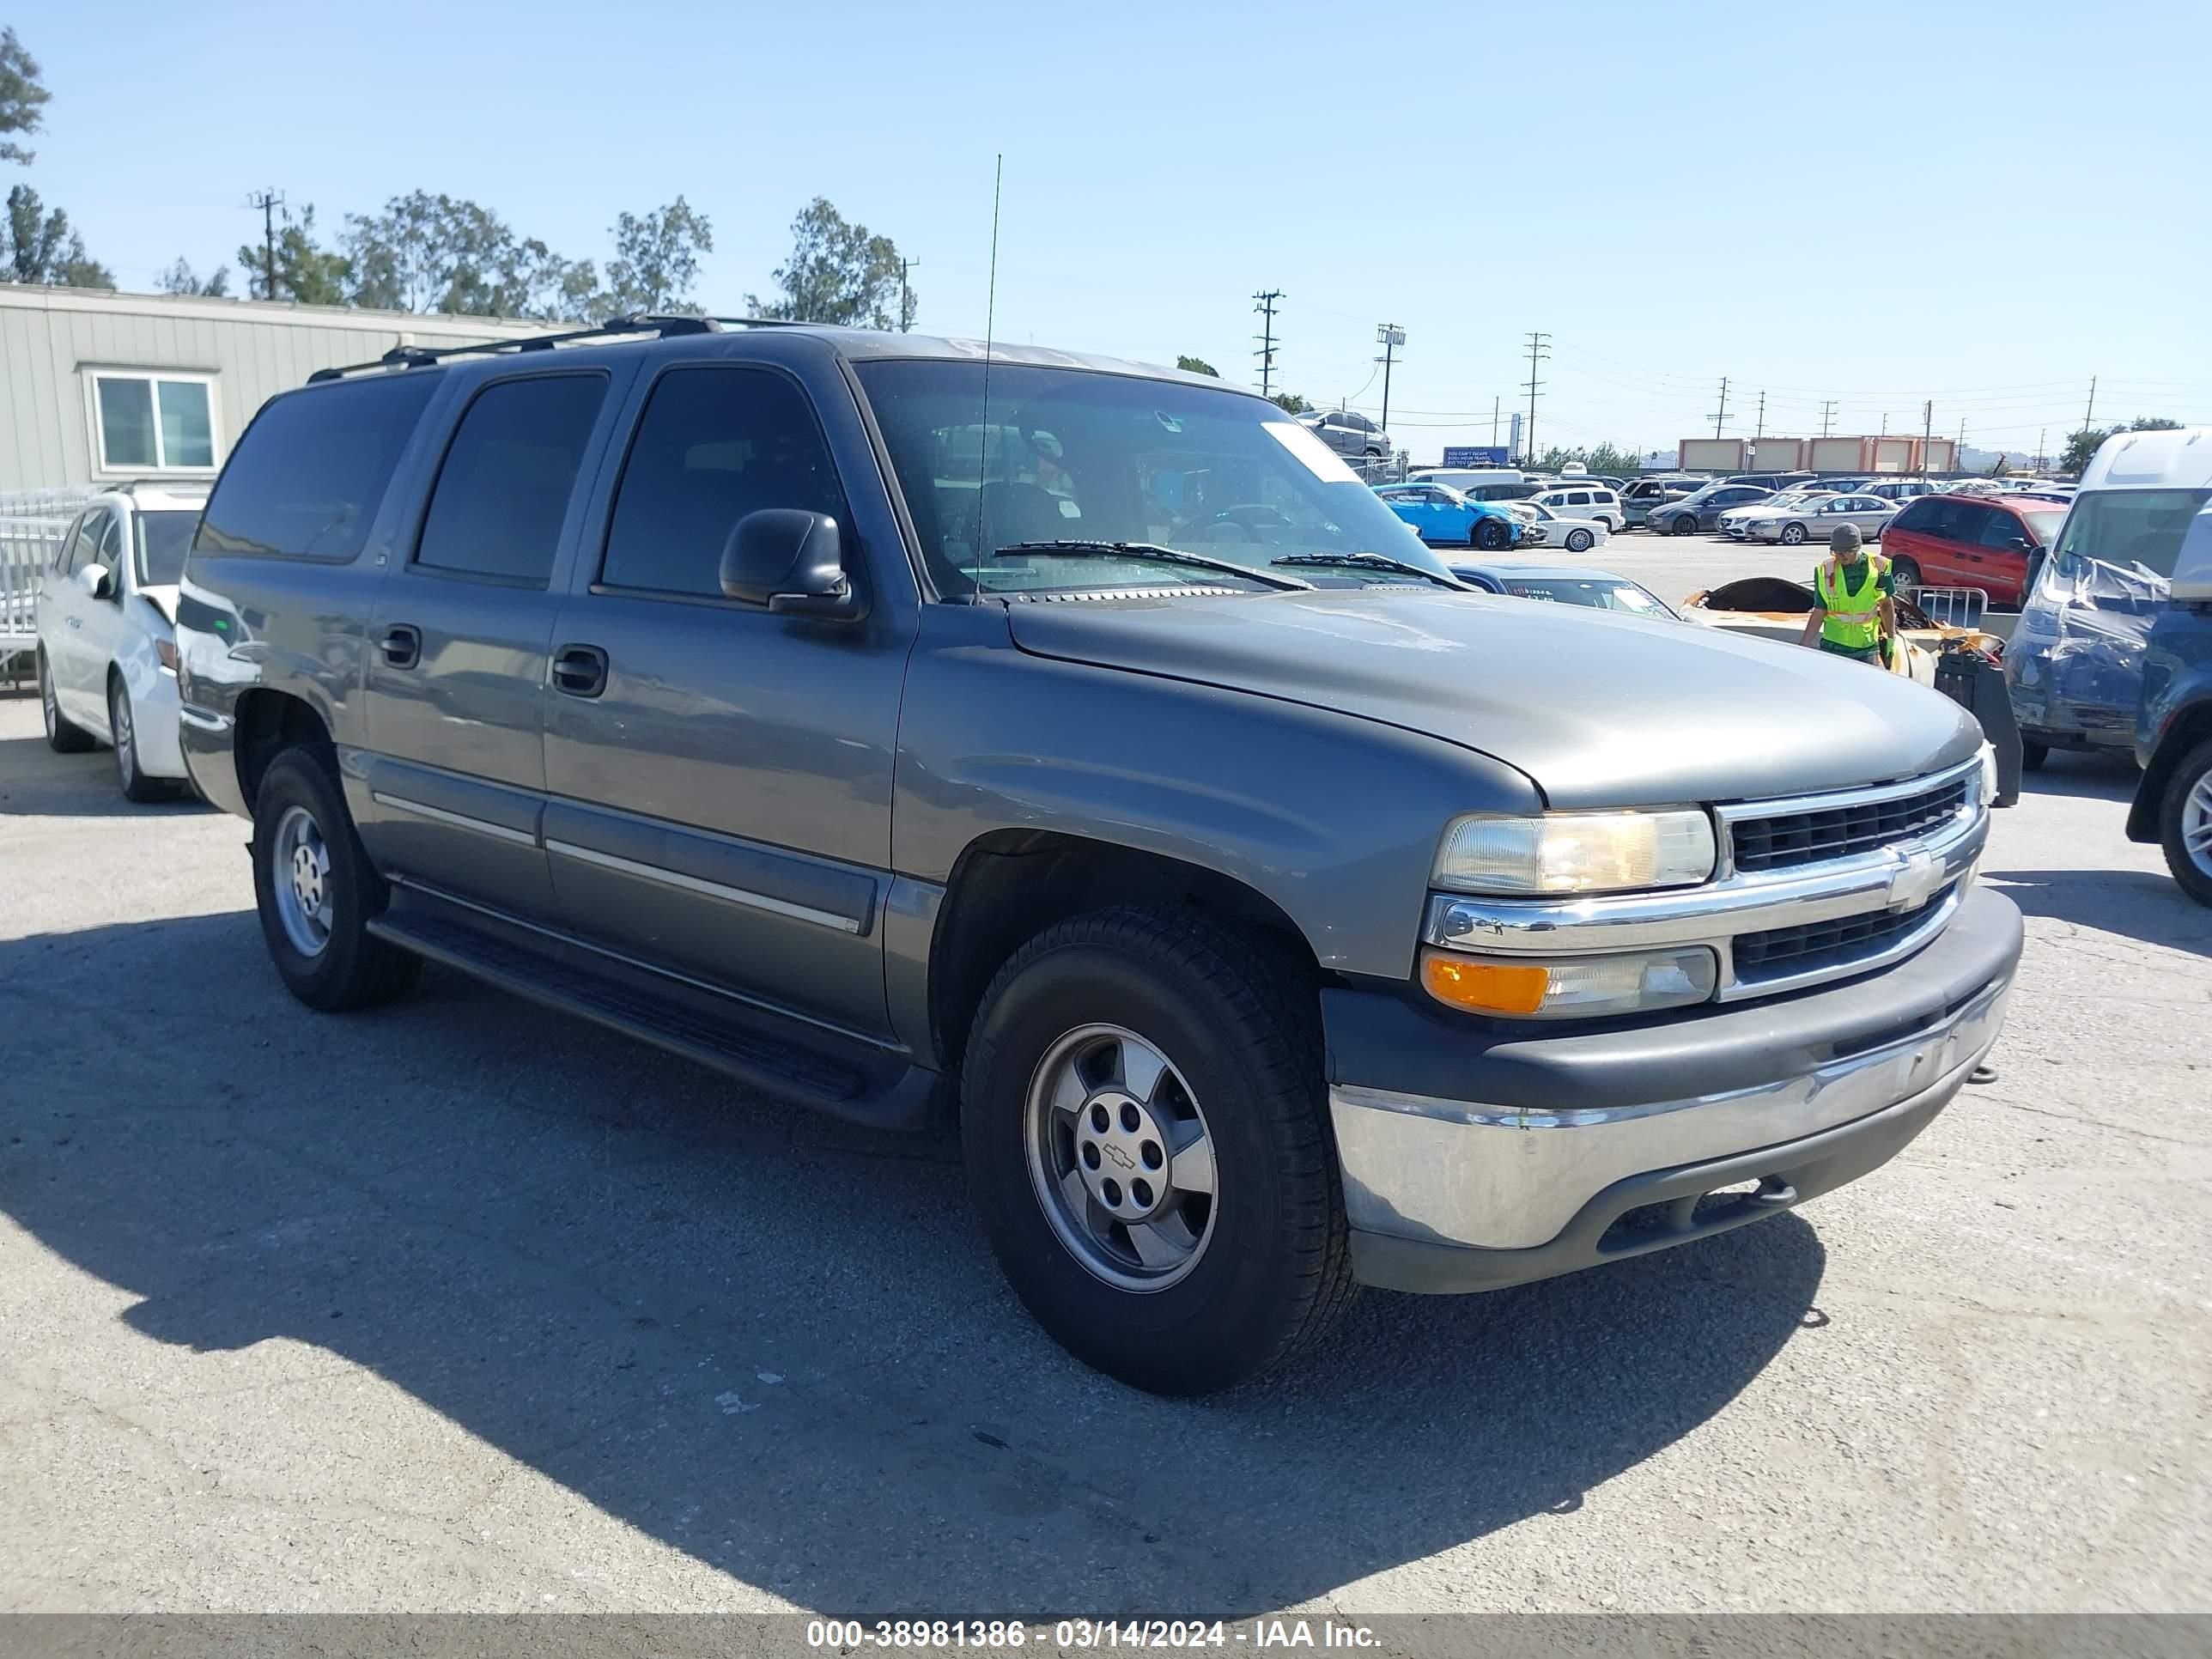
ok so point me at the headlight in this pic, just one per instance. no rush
(1574, 853)
(1989, 775)
(1570, 987)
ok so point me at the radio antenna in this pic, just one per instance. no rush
(990, 326)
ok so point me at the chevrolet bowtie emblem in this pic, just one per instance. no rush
(1917, 882)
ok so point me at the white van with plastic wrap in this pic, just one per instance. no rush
(2074, 667)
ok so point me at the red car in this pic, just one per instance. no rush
(1970, 541)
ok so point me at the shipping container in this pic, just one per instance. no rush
(1840, 455)
(1893, 454)
(1711, 455)
(1775, 455)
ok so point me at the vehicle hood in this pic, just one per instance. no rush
(1600, 709)
(163, 599)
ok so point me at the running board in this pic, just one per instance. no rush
(787, 1058)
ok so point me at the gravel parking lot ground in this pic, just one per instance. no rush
(457, 1305)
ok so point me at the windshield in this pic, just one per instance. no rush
(2046, 524)
(1070, 455)
(2125, 527)
(162, 539)
(1599, 593)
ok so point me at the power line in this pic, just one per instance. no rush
(1538, 350)
(1265, 304)
(268, 201)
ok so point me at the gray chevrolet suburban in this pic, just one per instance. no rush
(885, 721)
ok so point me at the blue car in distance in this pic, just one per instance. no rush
(1442, 517)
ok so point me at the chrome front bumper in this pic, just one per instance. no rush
(1461, 1172)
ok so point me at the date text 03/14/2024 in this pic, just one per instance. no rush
(1075, 1635)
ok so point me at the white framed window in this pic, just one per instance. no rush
(149, 420)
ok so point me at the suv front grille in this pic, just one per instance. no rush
(1835, 832)
(1781, 952)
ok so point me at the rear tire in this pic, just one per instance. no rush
(316, 891)
(64, 736)
(1903, 573)
(129, 774)
(2184, 823)
(2033, 755)
(1187, 1021)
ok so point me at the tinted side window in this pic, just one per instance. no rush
(1914, 517)
(504, 485)
(308, 475)
(1963, 522)
(81, 541)
(714, 444)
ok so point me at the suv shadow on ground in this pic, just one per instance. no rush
(588, 1253)
(36, 782)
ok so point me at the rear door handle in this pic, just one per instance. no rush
(402, 645)
(580, 671)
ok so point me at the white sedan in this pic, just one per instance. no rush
(1545, 528)
(108, 644)
(1813, 519)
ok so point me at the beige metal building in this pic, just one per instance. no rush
(98, 387)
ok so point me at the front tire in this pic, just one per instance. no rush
(1793, 535)
(64, 735)
(1682, 524)
(1491, 536)
(316, 891)
(1580, 541)
(2184, 823)
(129, 774)
(2033, 755)
(1147, 1145)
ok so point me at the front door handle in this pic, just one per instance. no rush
(580, 671)
(402, 645)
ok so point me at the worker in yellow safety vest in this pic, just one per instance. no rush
(1854, 617)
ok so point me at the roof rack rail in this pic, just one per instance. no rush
(418, 356)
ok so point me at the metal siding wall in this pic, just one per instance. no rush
(254, 352)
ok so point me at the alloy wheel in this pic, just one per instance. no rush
(2196, 824)
(302, 883)
(1120, 1158)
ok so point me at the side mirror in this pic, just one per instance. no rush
(790, 562)
(97, 580)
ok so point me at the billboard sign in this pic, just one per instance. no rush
(1474, 455)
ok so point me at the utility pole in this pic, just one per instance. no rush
(1539, 348)
(1928, 434)
(2042, 433)
(2089, 420)
(1391, 337)
(1828, 415)
(1761, 432)
(1494, 401)
(1720, 414)
(268, 201)
(1264, 303)
(906, 296)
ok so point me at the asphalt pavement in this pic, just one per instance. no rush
(458, 1305)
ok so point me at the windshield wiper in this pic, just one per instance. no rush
(1373, 562)
(1154, 553)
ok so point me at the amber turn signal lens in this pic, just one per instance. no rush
(1486, 987)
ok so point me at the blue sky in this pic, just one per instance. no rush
(1984, 205)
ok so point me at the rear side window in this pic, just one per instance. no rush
(307, 477)
(713, 444)
(504, 486)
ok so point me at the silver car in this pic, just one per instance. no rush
(1348, 433)
(1814, 517)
